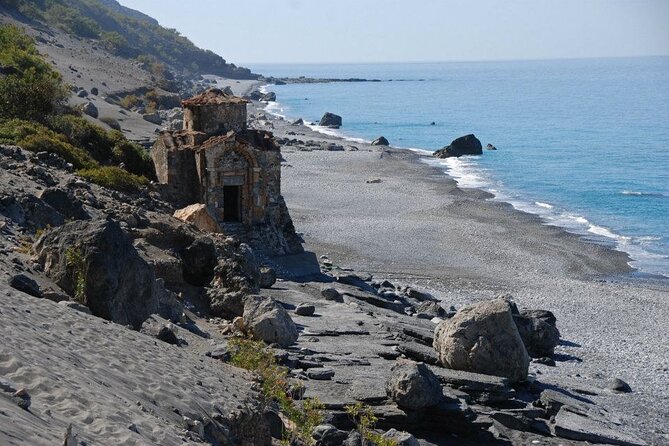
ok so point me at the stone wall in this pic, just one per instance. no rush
(215, 119)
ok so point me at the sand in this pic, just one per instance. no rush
(417, 227)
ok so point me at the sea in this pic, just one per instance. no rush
(582, 143)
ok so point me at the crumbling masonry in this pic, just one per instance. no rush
(234, 171)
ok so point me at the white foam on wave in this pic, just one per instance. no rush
(543, 205)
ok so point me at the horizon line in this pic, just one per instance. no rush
(547, 59)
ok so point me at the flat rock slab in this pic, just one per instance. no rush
(482, 388)
(418, 352)
(575, 426)
(321, 374)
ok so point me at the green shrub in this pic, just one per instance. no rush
(364, 419)
(76, 260)
(257, 357)
(31, 89)
(111, 122)
(79, 158)
(81, 133)
(114, 177)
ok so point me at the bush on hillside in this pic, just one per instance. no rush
(114, 178)
(29, 88)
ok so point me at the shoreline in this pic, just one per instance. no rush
(418, 228)
(569, 222)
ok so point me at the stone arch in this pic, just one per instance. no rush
(235, 168)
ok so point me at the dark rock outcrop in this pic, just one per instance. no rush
(199, 260)
(464, 145)
(330, 120)
(380, 141)
(95, 261)
(538, 332)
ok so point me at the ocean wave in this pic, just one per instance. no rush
(543, 205)
(644, 194)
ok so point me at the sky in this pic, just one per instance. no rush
(338, 31)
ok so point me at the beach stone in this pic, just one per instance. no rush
(297, 122)
(483, 338)
(82, 93)
(618, 385)
(198, 215)
(305, 309)
(267, 277)
(538, 331)
(198, 261)
(25, 284)
(429, 310)
(328, 435)
(320, 374)
(168, 334)
(400, 438)
(332, 294)
(380, 141)
(75, 306)
(268, 321)
(464, 145)
(90, 109)
(330, 119)
(95, 91)
(413, 386)
(22, 399)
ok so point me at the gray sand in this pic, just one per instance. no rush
(417, 227)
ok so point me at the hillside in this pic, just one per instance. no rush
(126, 33)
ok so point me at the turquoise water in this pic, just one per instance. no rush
(583, 143)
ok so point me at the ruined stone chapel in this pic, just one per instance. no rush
(234, 171)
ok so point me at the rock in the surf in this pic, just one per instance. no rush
(464, 145)
(380, 141)
(330, 120)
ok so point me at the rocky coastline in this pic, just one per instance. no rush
(418, 313)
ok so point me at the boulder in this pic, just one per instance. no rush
(305, 309)
(225, 304)
(483, 338)
(198, 261)
(332, 294)
(299, 121)
(490, 147)
(328, 435)
(153, 118)
(380, 141)
(227, 90)
(95, 262)
(268, 321)
(82, 93)
(95, 91)
(25, 284)
(430, 310)
(330, 120)
(413, 386)
(400, 438)
(198, 215)
(90, 109)
(464, 145)
(268, 97)
(538, 331)
(618, 385)
(267, 277)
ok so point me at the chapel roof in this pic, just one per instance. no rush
(213, 96)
